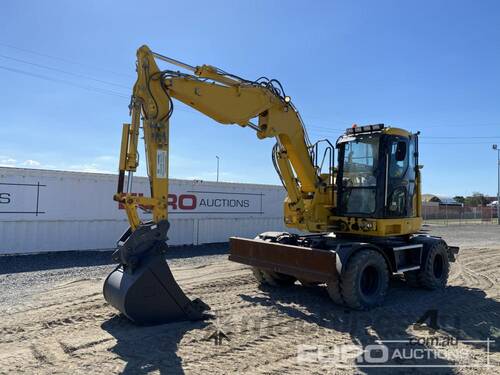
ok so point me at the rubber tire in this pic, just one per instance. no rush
(426, 276)
(271, 278)
(257, 272)
(350, 280)
(333, 288)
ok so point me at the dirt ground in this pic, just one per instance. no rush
(65, 326)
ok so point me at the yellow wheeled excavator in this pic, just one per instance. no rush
(360, 219)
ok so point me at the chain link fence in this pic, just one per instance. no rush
(448, 215)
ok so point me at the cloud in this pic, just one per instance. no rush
(11, 162)
(106, 158)
(91, 168)
(99, 164)
(31, 163)
(7, 162)
(212, 176)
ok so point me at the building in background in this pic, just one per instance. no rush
(440, 200)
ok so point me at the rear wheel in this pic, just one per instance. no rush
(365, 281)
(434, 272)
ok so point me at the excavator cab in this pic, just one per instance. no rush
(378, 169)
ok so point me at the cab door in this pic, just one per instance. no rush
(400, 172)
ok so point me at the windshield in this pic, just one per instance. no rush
(360, 162)
(359, 176)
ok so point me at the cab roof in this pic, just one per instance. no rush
(367, 129)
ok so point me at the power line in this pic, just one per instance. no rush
(104, 91)
(455, 143)
(311, 128)
(62, 71)
(89, 88)
(422, 136)
(452, 125)
(64, 60)
(424, 125)
(321, 135)
(325, 128)
(460, 137)
(114, 93)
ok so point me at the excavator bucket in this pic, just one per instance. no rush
(142, 287)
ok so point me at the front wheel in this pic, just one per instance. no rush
(365, 281)
(272, 278)
(333, 288)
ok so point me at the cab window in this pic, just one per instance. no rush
(399, 158)
(359, 179)
(397, 194)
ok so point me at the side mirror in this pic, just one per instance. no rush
(401, 151)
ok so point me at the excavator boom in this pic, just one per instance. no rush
(229, 100)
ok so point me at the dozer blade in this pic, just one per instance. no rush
(302, 262)
(142, 287)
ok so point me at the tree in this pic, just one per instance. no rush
(459, 199)
(476, 199)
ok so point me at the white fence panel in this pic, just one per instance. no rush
(44, 210)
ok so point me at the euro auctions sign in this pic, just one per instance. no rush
(213, 202)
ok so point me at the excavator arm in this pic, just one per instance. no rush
(228, 100)
(142, 286)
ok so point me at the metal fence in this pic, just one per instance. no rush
(443, 214)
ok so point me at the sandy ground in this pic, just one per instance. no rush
(65, 326)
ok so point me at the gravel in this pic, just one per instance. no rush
(24, 275)
(472, 235)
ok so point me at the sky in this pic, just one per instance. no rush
(67, 69)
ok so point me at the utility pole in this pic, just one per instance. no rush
(217, 167)
(495, 147)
